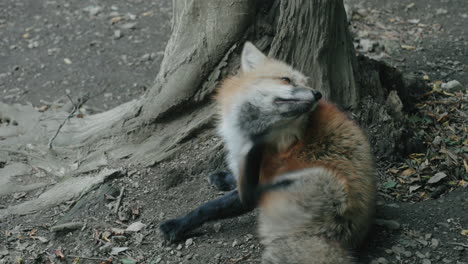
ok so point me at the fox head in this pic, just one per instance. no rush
(267, 94)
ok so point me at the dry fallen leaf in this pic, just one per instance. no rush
(408, 172)
(135, 227)
(59, 254)
(414, 188)
(408, 47)
(117, 250)
(437, 177)
(116, 19)
(463, 183)
(464, 232)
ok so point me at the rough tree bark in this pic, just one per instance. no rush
(204, 47)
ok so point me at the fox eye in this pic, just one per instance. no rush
(286, 80)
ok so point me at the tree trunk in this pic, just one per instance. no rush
(204, 48)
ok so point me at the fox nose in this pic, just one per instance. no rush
(317, 95)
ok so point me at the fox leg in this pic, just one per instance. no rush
(223, 181)
(226, 206)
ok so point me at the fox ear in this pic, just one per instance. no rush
(251, 57)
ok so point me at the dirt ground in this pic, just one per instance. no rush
(112, 50)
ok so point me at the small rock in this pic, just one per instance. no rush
(422, 241)
(179, 247)
(407, 254)
(390, 224)
(117, 250)
(368, 45)
(118, 34)
(3, 251)
(441, 11)
(397, 250)
(217, 227)
(188, 242)
(434, 243)
(394, 103)
(452, 86)
(235, 243)
(33, 44)
(420, 255)
(93, 10)
(145, 57)
(131, 25)
(382, 261)
(426, 261)
(106, 247)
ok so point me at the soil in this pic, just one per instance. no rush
(110, 50)
(425, 224)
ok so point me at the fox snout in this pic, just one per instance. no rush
(300, 95)
(299, 101)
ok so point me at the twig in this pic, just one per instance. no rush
(459, 244)
(67, 226)
(81, 102)
(119, 200)
(90, 258)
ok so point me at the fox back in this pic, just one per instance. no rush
(327, 206)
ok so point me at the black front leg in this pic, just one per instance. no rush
(226, 206)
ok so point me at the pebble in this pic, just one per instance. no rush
(441, 11)
(452, 86)
(189, 256)
(189, 242)
(118, 34)
(390, 224)
(434, 243)
(93, 10)
(217, 227)
(382, 261)
(131, 25)
(235, 243)
(426, 261)
(145, 57)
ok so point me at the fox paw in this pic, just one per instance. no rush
(223, 181)
(172, 230)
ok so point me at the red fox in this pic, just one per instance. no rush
(304, 163)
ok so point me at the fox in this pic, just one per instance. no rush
(297, 157)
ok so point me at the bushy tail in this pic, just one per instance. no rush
(305, 250)
(303, 221)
